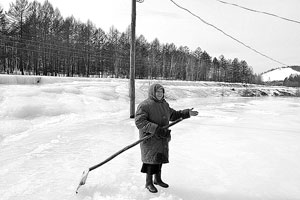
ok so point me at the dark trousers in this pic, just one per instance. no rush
(151, 168)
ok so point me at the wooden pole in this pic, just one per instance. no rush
(132, 61)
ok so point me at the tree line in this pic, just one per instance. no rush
(292, 81)
(35, 39)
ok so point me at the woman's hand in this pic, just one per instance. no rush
(162, 132)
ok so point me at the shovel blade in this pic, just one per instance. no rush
(83, 179)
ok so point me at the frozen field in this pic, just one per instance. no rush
(235, 149)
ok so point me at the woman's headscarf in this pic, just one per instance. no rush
(152, 90)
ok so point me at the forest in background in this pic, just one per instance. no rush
(36, 40)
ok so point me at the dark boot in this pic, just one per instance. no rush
(149, 184)
(158, 181)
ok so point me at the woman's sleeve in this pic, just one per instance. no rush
(176, 114)
(142, 122)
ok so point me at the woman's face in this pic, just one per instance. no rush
(159, 94)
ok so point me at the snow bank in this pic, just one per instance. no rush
(19, 79)
(184, 89)
(27, 79)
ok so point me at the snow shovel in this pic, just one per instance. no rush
(86, 172)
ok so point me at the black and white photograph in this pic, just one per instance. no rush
(149, 100)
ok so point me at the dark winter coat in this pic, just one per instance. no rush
(150, 114)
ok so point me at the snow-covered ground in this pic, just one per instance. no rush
(236, 148)
(279, 74)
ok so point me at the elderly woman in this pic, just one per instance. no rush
(151, 115)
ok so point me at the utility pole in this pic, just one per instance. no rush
(132, 61)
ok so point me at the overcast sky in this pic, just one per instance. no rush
(274, 37)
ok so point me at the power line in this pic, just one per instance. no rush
(257, 11)
(220, 30)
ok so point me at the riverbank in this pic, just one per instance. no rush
(202, 88)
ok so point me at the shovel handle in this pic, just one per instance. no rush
(131, 145)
